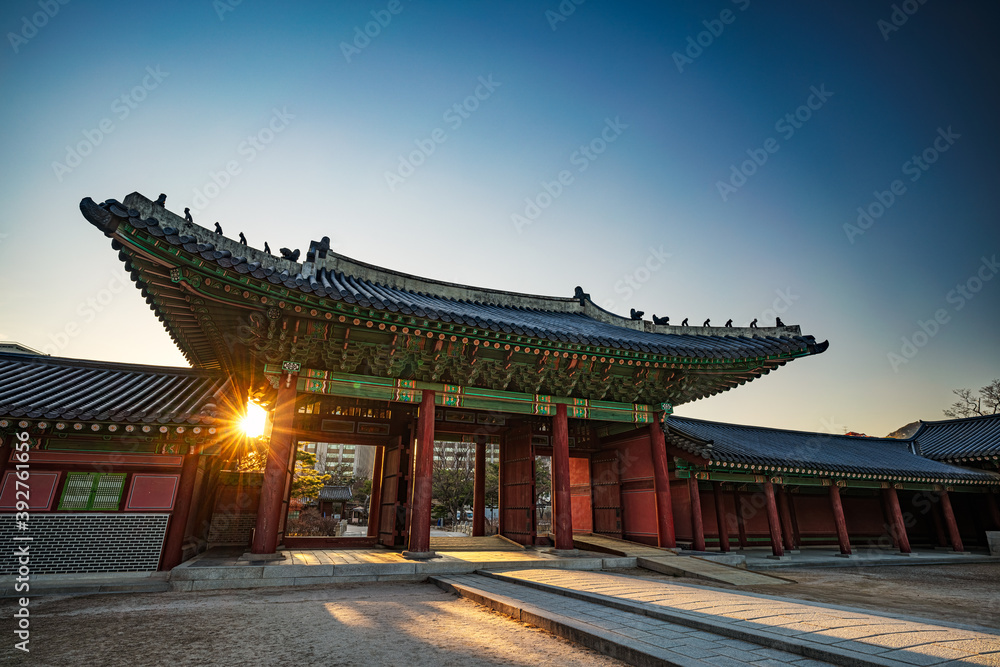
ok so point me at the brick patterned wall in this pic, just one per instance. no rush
(76, 543)
(231, 529)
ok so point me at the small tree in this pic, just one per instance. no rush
(307, 481)
(454, 483)
(970, 404)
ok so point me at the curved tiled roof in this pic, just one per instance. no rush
(33, 387)
(573, 320)
(958, 439)
(817, 453)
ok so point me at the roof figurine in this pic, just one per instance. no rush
(729, 323)
(187, 215)
(318, 249)
(161, 201)
(778, 322)
(243, 239)
(580, 295)
(292, 255)
(753, 324)
(218, 228)
(267, 248)
(662, 321)
(685, 322)
(707, 323)
(636, 314)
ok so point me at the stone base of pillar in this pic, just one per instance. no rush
(849, 556)
(278, 555)
(561, 552)
(419, 555)
(783, 557)
(901, 553)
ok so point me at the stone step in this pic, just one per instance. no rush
(631, 637)
(841, 635)
(699, 568)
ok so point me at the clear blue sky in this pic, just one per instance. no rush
(648, 113)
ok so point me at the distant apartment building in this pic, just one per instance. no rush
(361, 458)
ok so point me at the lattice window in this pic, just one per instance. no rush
(92, 491)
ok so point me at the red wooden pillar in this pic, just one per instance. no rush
(272, 490)
(697, 525)
(173, 550)
(773, 522)
(375, 502)
(786, 519)
(896, 519)
(563, 515)
(665, 534)
(991, 503)
(838, 519)
(423, 478)
(479, 491)
(741, 526)
(949, 521)
(720, 516)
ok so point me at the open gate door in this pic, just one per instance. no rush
(606, 493)
(395, 487)
(517, 486)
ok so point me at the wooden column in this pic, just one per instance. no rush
(720, 516)
(786, 519)
(272, 490)
(942, 539)
(991, 504)
(950, 523)
(665, 534)
(898, 526)
(563, 514)
(479, 491)
(741, 527)
(697, 525)
(375, 502)
(838, 519)
(173, 550)
(773, 522)
(423, 478)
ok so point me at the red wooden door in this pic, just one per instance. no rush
(395, 479)
(606, 493)
(517, 489)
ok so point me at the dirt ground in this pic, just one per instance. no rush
(968, 594)
(374, 624)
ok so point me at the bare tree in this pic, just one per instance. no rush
(971, 404)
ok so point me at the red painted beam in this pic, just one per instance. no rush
(720, 516)
(950, 523)
(479, 492)
(423, 471)
(896, 519)
(265, 536)
(773, 522)
(697, 524)
(838, 519)
(563, 514)
(665, 533)
(375, 502)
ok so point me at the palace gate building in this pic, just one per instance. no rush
(342, 351)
